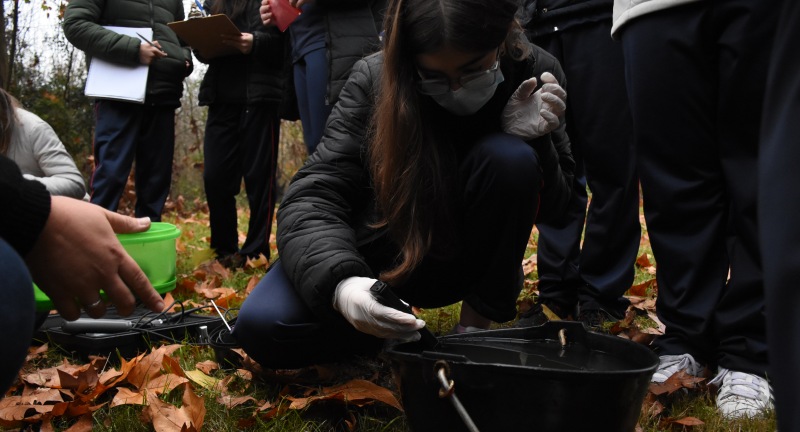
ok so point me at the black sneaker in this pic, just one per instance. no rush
(233, 261)
(536, 315)
(596, 318)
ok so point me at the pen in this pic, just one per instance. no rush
(148, 41)
(200, 7)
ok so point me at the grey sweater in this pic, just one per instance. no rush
(41, 156)
(626, 10)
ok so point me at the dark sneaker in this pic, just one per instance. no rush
(233, 261)
(596, 318)
(542, 312)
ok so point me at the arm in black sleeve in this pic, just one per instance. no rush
(24, 207)
(268, 44)
(318, 215)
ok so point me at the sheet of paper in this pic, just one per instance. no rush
(107, 80)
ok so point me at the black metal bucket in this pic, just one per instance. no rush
(554, 378)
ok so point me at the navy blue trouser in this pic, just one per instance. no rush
(125, 132)
(241, 142)
(600, 130)
(17, 313)
(696, 75)
(779, 212)
(311, 85)
(501, 179)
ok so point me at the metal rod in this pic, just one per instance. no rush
(447, 389)
(222, 316)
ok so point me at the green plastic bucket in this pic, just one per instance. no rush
(154, 250)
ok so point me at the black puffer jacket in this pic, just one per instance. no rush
(353, 27)
(551, 16)
(324, 221)
(257, 77)
(83, 27)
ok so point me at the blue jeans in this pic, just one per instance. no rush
(17, 313)
(126, 131)
(311, 86)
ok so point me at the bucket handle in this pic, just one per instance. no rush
(447, 390)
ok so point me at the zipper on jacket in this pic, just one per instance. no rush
(152, 18)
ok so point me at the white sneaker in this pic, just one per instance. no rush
(670, 364)
(742, 394)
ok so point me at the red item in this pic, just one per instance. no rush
(283, 13)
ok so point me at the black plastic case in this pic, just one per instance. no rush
(128, 343)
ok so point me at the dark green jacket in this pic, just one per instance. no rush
(83, 27)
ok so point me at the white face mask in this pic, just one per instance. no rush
(465, 101)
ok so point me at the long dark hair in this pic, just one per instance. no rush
(405, 161)
(8, 119)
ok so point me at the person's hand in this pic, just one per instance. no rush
(354, 301)
(77, 255)
(299, 3)
(530, 114)
(242, 42)
(266, 13)
(149, 53)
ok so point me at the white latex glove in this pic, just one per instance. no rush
(530, 114)
(354, 301)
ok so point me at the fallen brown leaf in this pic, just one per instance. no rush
(207, 366)
(169, 418)
(677, 381)
(251, 283)
(259, 262)
(356, 392)
(150, 365)
(230, 401)
(37, 352)
(643, 261)
(224, 301)
(126, 396)
(14, 411)
(640, 289)
(41, 395)
(529, 265)
(165, 383)
(689, 421)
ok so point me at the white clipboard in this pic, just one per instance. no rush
(107, 80)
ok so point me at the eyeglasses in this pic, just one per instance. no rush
(473, 81)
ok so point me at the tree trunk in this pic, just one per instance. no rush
(69, 74)
(12, 54)
(3, 50)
